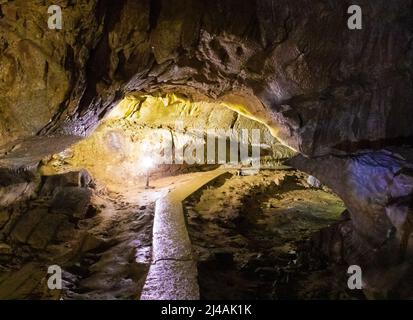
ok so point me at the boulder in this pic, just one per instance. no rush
(21, 283)
(26, 224)
(89, 243)
(50, 184)
(45, 231)
(15, 186)
(72, 201)
(66, 232)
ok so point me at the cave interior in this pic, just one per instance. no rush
(169, 150)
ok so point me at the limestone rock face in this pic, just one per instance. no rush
(38, 65)
(377, 183)
(26, 226)
(159, 126)
(71, 201)
(15, 186)
(51, 184)
(340, 97)
(377, 189)
(293, 64)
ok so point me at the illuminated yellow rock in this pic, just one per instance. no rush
(142, 126)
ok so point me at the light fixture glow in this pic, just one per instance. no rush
(147, 163)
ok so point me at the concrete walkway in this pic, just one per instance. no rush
(173, 272)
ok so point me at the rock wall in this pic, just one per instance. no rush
(294, 65)
(141, 126)
(377, 189)
(335, 95)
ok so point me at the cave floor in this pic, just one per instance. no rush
(104, 256)
(117, 270)
(249, 235)
(246, 234)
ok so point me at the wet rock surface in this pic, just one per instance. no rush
(331, 93)
(255, 242)
(117, 254)
(102, 242)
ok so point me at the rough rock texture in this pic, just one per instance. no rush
(250, 247)
(103, 256)
(293, 64)
(51, 183)
(16, 186)
(326, 91)
(161, 126)
(377, 189)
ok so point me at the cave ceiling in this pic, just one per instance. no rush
(294, 66)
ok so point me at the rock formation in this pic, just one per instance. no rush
(341, 98)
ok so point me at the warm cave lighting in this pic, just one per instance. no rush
(225, 151)
(147, 164)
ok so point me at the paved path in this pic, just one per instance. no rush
(173, 272)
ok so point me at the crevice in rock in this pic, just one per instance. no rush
(154, 13)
